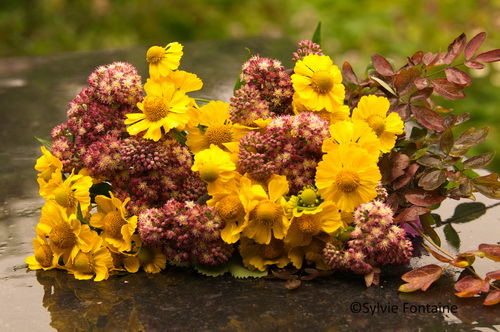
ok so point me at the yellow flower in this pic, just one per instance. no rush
(95, 262)
(43, 257)
(113, 219)
(70, 193)
(49, 167)
(338, 113)
(184, 81)
(164, 107)
(318, 83)
(162, 60)
(265, 216)
(259, 256)
(307, 224)
(67, 236)
(215, 168)
(348, 176)
(373, 110)
(356, 133)
(218, 128)
(313, 252)
(231, 210)
(151, 259)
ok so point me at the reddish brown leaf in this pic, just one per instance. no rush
(492, 251)
(473, 45)
(381, 65)
(495, 275)
(479, 161)
(448, 90)
(455, 48)
(421, 278)
(410, 214)
(488, 185)
(436, 255)
(468, 286)
(416, 59)
(348, 73)
(403, 110)
(421, 83)
(293, 283)
(398, 162)
(457, 76)
(474, 65)
(463, 260)
(404, 80)
(432, 179)
(420, 95)
(492, 298)
(469, 139)
(446, 141)
(429, 160)
(428, 118)
(433, 59)
(401, 181)
(490, 56)
(422, 197)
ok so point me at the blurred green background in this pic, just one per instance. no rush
(352, 31)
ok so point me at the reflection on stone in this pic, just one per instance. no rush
(179, 299)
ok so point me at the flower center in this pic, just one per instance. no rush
(84, 263)
(209, 172)
(308, 196)
(272, 250)
(218, 134)
(43, 255)
(64, 196)
(322, 81)
(155, 54)
(309, 224)
(266, 212)
(145, 255)
(347, 181)
(113, 223)
(61, 236)
(155, 108)
(230, 208)
(377, 123)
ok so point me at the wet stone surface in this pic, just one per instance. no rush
(34, 93)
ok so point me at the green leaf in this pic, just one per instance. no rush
(316, 38)
(239, 83)
(451, 236)
(46, 143)
(212, 271)
(237, 270)
(426, 221)
(180, 136)
(466, 212)
(384, 85)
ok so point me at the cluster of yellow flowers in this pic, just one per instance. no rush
(87, 242)
(273, 229)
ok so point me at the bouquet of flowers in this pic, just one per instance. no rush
(305, 171)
